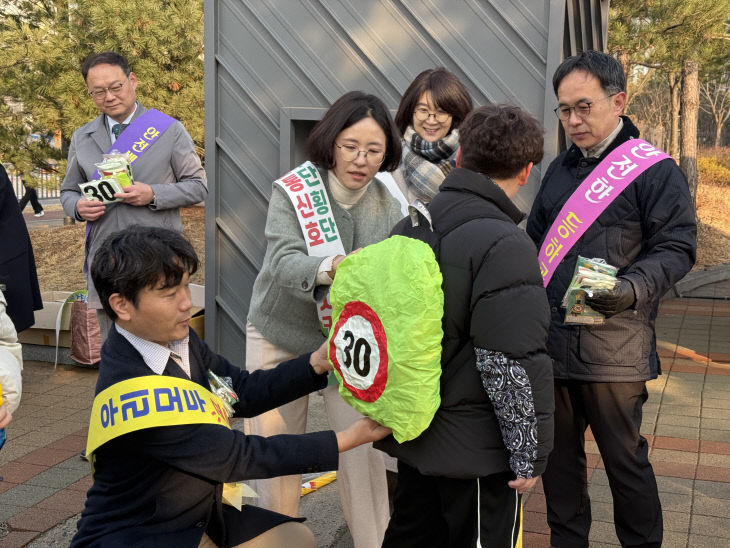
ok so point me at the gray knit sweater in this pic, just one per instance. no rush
(283, 303)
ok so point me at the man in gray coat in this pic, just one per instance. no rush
(167, 177)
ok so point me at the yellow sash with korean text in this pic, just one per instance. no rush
(150, 401)
(157, 400)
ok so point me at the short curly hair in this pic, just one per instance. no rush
(500, 140)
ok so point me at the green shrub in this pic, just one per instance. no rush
(713, 171)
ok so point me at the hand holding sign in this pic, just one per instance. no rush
(137, 194)
(364, 430)
(90, 210)
(337, 260)
(318, 360)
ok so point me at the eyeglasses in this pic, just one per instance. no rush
(350, 153)
(422, 114)
(100, 93)
(582, 109)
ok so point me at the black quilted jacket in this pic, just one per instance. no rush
(493, 300)
(648, 232)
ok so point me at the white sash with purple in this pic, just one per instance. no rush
(134, 141)
(610, 177)
(308, 195)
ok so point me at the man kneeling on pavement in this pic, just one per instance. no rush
(159, 440)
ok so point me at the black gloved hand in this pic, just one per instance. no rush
(610, 302)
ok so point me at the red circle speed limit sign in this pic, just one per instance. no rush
(359, 351)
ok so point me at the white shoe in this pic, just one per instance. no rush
(39, 214)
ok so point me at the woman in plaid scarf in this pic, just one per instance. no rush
(429, 114)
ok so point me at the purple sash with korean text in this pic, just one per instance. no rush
(609, 178)
(135, 140)
(139, 135)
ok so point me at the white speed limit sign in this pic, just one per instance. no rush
(102, 190)
(359, 351)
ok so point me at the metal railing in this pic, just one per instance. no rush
(49, 188)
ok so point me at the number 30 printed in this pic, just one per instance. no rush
(361, 343)
(102, 190)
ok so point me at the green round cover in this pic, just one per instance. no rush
(385, 343)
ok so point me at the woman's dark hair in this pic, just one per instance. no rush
(105, 58)
(500, 140)
(138, 257)
(348, 110)
(447, 93)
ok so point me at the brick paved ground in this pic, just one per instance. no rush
(687, 422)
(686, 419)
(44, 480)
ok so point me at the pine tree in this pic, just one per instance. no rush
(43, 44)
(678, 37)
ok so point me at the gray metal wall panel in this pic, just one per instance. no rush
(273, 66)
(585, 27)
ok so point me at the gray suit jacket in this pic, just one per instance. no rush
(283, 301)
(171, 167)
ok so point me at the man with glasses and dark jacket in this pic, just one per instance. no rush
(648, 231)
(167, 171)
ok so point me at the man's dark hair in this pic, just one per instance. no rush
(104, 58)
(348, 110)
(142, 256)
(500, 140)
(608, 70)
(447, 93)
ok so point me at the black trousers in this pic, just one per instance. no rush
(438, 512)
(32, 196)
(613, 411)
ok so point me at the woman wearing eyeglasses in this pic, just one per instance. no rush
(428, 117)
(354, 140)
